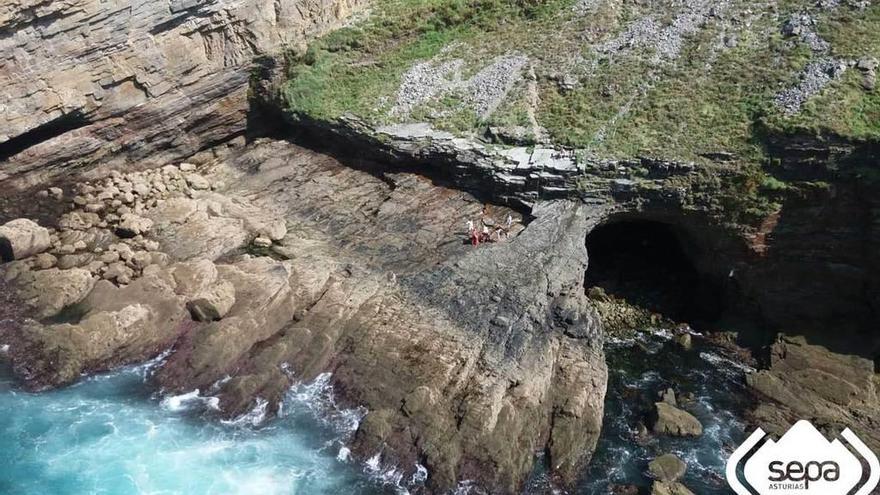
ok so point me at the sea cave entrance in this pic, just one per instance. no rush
(654, 265)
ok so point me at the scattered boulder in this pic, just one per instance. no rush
(22, 238)
(197, 182)
(44, 261)
(676, 422)
(78, 220)
(668, 396)
(214, 303)
(194, 277)
(685, 341)
(868, 67)
(140, 260)
(262, 242)
(132, 225)
(119, 272)
(667, 467)
(669, 488)
(624, 489)
(75, 260)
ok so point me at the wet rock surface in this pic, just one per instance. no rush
(381, 290)
(674, 421)
(667, 467)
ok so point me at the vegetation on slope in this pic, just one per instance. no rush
(634, 99)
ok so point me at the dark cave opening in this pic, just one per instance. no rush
(6, 253)
(651, 264)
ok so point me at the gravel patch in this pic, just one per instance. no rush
(665, 40)
(815, 77)
(584, 7)
(424, 81)
(488, 88)
(482, 93)
(803, 25)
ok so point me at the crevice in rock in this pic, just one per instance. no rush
(5, 251)
(650, 264)
(178, 20)
(52, 129)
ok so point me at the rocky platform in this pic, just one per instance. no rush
(250, 267)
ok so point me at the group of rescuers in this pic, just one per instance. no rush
(483, 233)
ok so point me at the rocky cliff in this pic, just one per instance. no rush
(134, 83)
(257, 263)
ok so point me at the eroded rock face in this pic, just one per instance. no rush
(467, 360)
(805, 380)
(154, 80)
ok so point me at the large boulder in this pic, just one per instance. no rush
(22, 238)
(213, 303)
(676, 422)
(48, 292)
(133, 225)
(667, 467)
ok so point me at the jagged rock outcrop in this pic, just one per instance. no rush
(122, 82)
(467, 360)
(832, 390)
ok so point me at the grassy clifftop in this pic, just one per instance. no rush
(619, 78)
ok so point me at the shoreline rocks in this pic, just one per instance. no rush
(667, 467)
(443, 386)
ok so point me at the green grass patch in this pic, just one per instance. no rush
(712, 98)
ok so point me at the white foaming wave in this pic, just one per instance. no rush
(216, 386)
(373, 463)
(146, 368)
(344, 454)
(252, 418)
(263, 482)
(317, 397)
(645, 380)
(726, 365)
(663, 333)
(464, 487)
(189, 400)
(420, 475)
(619, 341)
(393, 476)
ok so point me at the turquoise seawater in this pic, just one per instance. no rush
(109, 435)
(112, 434)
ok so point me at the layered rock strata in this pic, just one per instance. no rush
(798, 262)
(121, 82)
(467, 360)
